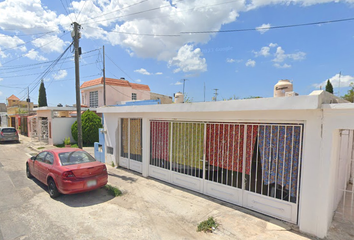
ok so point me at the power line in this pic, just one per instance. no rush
(271, 27)
(66, 11)
(24, 35)
(131, 14)
(47, 62)
(22, 44)
(36, 48)
(99, 16)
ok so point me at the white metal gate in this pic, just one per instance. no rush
(344, 198)
(131, 144)
(253, 165)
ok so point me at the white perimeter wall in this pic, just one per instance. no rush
(61, 128)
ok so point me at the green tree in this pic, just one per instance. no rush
(350, 94)
(329, 87)
(42, 97)
(90, 125)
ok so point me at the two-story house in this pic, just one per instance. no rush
(117, 91)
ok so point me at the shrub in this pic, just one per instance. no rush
(113, 190)
(207, 225)
(90, 125)
(67, 141)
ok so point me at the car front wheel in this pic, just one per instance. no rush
(28, 172)
(52, 189)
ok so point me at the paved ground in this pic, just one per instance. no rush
(148, 209)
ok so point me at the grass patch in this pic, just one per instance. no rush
(115, 192)
(62, 145)
(208, 225)
(112, 164)
(39, 148)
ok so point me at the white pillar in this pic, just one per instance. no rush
(146, 146)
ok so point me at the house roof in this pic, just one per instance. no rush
(115, 82)
(13, 97)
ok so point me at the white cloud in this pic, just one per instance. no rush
(230, 60)
(273, 45)
(138, 80)
(60, 74)
(178, 83)
(277, 65)
(250, 63)
(142, 71)
(9, 42)
(158, 73)
(263, 52)
(280, 56)
(49, 44)
(336, 80)
(263, 28)
(1, 79)
(28, 16)
(0, 93)
(188, 60)
(33, 55)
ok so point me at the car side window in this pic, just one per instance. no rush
(49, 158)
(40, 157)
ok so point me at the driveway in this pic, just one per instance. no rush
(148, 209)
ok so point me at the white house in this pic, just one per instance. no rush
(287, 157)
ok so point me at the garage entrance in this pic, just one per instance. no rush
(254, 165)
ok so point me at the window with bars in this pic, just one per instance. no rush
(134, 96)
(94, 99)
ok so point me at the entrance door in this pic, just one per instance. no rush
(131, 144)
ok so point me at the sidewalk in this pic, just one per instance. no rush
(37, 146)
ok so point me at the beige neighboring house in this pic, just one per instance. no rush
(117, 90)
(17, 109)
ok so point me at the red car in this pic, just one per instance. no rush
(67, 171)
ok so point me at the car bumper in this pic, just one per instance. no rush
(82, 185)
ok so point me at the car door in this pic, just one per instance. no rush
(44, 167)
(37, 164)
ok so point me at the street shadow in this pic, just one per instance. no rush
(10, 143)
(122, 177)
(77, 200)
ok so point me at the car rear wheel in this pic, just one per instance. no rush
(28, 172)
(52, 189)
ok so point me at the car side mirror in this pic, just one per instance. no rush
(33, 158)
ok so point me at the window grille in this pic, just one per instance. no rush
(94, 99)
(134, 96)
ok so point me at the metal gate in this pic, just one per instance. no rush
(344, 198)
(253, 165)
(131, 144)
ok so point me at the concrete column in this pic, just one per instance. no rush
(146, 146)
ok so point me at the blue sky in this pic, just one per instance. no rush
(239, 64)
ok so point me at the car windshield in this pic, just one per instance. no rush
(76, 157)
(8, 130)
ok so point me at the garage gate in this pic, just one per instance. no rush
(253, 165)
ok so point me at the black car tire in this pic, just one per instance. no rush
(52, 189)
(28, 172)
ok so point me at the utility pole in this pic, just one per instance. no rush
(76, 35)
(204, 91)
(28, 102)
(104, 79)
(184, 81)
(215, 94)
